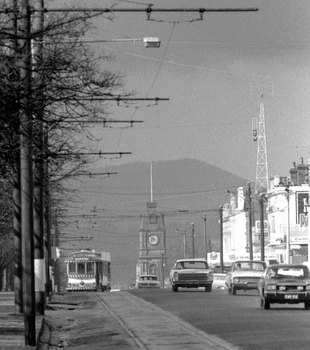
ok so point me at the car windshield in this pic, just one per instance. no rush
(298, 272)
(246, 266)
(192, 265)
(148, 278)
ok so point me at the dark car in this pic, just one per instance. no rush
(285, 284)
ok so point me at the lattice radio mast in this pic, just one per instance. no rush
(259, 134)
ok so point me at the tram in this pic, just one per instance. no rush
(89, 271)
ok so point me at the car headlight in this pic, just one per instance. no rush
(236, 280)
(308, 287)
(300, 287)
(272, 287)
(175, 276)
(282, 288)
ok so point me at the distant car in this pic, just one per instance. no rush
(217, 268)
(147, 281)
(285, 284)
(219, 281)
(191, 273)
(244, 275)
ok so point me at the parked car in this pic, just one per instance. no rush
(219, 281)
(244, 275)
(285, 284)
(191, 273)
(147, 281)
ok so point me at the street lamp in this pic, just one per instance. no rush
(149, 42)
(193, 239)
(183, 233)
(205, 236)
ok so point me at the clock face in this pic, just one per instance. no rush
(153, 239)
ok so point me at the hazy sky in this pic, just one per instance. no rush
(210, 71)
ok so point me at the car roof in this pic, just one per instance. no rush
(287, 265)
(196, 259)
(249, 261)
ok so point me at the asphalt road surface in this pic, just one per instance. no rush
(237, 319)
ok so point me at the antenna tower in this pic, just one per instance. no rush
(261, 184)
(262, 178)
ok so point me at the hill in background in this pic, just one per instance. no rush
(109, 209)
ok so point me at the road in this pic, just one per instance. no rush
(237, 319)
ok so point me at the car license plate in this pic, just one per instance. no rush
(291, 296)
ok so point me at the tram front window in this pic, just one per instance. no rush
(81, 267)
(72, 267)
(90, 267)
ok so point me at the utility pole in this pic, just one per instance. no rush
(221, 238)
(262, 227)
(250, 220)
(205, 236)
(26, 177)
(38, 220)
(18, 271)
(288, 235)
(193, 239)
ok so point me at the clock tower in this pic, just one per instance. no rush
(152, 252)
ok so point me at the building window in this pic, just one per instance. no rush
(153, 269)
(153, 219)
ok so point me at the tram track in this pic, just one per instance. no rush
(120, 321)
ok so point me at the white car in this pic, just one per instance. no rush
(191, 273)
(219, 281)
(147, 281)
(244, 275)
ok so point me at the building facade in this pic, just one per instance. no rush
(285, 214)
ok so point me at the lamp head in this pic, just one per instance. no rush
(151, 42)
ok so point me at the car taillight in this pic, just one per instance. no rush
(176, 276)
(272, 287)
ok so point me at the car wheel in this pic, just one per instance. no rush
(174, 288)
(265, 303)
(208, 288)
(233, 290)
(307, 305)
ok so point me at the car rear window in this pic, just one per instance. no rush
(192, 265)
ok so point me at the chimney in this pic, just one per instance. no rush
(294, 174)
(302, 172)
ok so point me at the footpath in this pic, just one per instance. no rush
(113, 321)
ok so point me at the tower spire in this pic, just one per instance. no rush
(151, 174)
